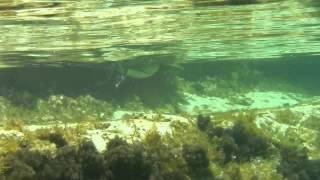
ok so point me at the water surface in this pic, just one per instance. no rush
(104, 30)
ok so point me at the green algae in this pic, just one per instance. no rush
(58, 108)
(201, 149)
(242, 143)
(286, 116)
(47, 98)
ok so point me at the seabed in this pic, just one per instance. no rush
(217, 126)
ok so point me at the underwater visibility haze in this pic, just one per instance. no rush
(159, 89)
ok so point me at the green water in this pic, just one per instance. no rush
(141, 55)
(243, 74)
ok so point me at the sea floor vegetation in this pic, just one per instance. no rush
(230, 145)
(51, 94)
(248, 121)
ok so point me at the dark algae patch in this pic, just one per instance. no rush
(295, 164)
(126, 161)
(197, 161)
(200, 150)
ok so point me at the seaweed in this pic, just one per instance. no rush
(243, 141)
(203, 150)
(286, 116)
(92, 162)
(23, 164)
(21, 171)
(64, 166)
(56, 138)
(295, 164)
(167, 162)
(67, 164)
(197, 161)
(250, 140)
(126, 161)
(13, 124)
(203, 122)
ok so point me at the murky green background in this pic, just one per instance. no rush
(71, 60)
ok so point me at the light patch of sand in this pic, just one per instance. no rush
(252, 100)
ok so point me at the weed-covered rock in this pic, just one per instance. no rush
(197, 161)
(228, 147)
(243, 141)
(167, 161)
(203, 122)
(126, 161)
(295, 164)
(24, 164)
(55, 138)
(92, 162)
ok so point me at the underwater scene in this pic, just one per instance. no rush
(159, 90)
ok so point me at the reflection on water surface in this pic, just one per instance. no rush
(98, 31)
